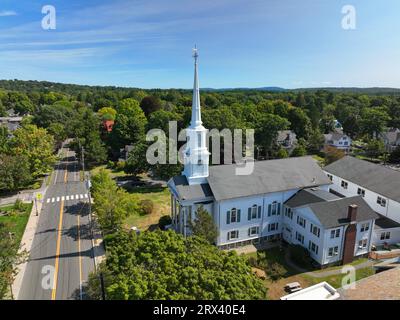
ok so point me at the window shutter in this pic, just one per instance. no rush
(228, 236)
(318, 232)
(258, 230)
(311, 226)
(249, 231)
(249, 214)
(238, 215)
(269, 210)
(259, 212)
(228, 217)
(279, 209)
(237, 234)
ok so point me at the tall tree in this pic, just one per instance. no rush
(204, 226)
(130, 124)
(144, 266)
(37, 145)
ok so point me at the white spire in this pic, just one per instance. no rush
(196, 111)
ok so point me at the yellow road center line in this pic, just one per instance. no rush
(80, 258)
(54, 291)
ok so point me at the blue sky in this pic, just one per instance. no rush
(242, 43)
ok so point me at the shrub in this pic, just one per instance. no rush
(120, 165)
(275, 271)
(146, 206)
(164, 221)
(110, 164)
(18, 205)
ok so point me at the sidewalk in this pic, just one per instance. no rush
(26, 245)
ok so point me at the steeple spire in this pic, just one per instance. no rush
(196, 155)
(196, 111)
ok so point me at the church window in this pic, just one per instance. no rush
(233, 216)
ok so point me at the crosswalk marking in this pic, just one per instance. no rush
(67, 198)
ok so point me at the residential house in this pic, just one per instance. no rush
(339, 140)
(391, 139)
(11, 123)
(287, 139)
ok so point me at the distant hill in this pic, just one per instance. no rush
(45, 86)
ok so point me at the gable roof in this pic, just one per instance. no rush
(374, 177)
(268, 176)
(190, 192)
(308, 196)
(334, 213)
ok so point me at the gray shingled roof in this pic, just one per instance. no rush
(334, 213)
(308, 196)
(191, 192)
(374, 177)
(385, 223)
(268, 176)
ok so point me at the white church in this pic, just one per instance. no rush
(287, 199)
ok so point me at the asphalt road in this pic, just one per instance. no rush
(61, 257)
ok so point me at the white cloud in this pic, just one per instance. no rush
(7, 13)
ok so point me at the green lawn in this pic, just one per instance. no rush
(113, 172)
(159, 196)
(17, 222)
(336, 280)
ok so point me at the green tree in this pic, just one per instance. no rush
(282, 153)
(145, 267)
(150, 104)
(37, 145)
(9, 257)
(130, 124)
(299, 122)
(136, 162)
(374, 121)
(14, 172)
(375, 148)
(300, 149)
(204, 226)
(107, 113)
(315, 142)
(111, 204)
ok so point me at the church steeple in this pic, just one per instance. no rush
(196, 154)
(196, 111)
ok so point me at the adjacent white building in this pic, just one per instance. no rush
(379, 186)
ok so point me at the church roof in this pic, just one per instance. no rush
(268, 176)
(190, 192)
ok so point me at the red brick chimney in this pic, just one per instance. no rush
(350, 235)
